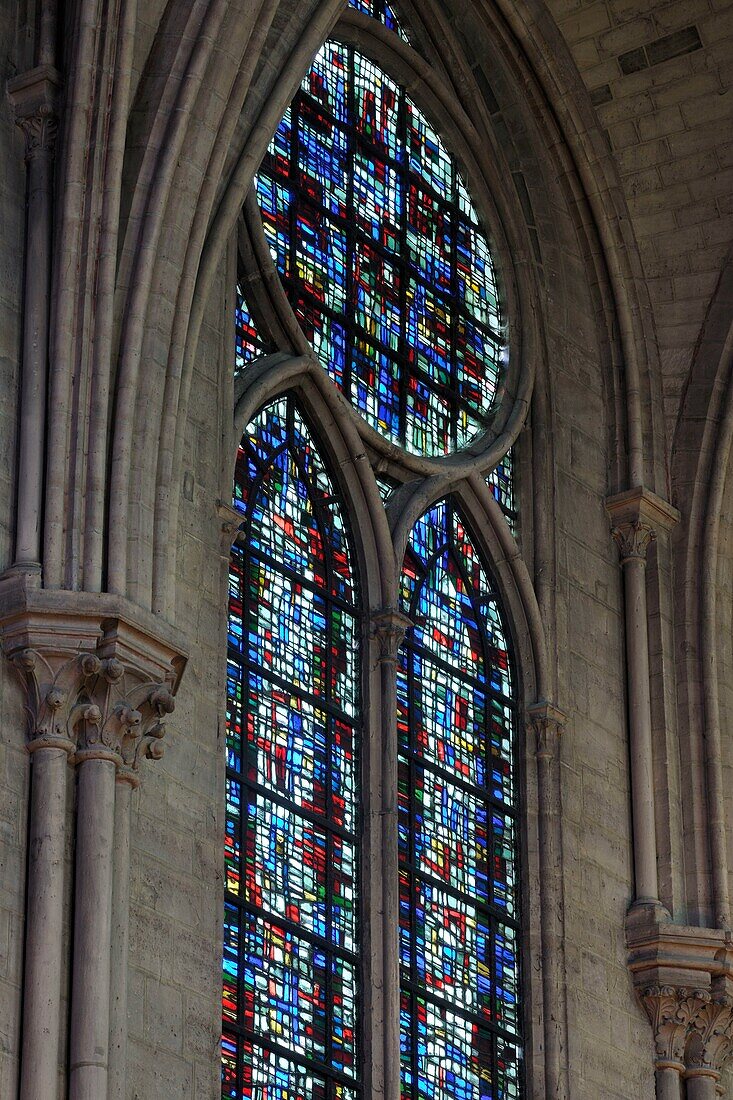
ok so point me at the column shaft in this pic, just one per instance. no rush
(90, 1011)
(640, 732)
(552, 976)
(120, 944)
(669, 1083)
(390, 887)
(44, 941)
(702, 1086)
(35, 353)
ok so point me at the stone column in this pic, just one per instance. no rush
(100, 675)
(684, 980)
(33, 96)
(147, 742)
(118, 725)
(51, 682)
(388, 627)
(547, 723)
(636, 516)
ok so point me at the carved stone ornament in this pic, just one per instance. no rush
(548, 723)
(231, 522)
(693, 1028)
(99, 685)
(637, 517)
(633, 540)
(33, 96)
(684, 979)
(389, 627)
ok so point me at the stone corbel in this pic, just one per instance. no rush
(33, 96)
(230, 524)
(548, 723)
(388, 627)
(100, 674)
(637, 517)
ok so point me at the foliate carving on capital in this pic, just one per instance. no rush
(693, 1028)
(94, 708)
(40, 131)
(633, 540)
(388, 628)
(547, 723)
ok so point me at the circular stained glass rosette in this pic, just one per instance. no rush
(383, 257)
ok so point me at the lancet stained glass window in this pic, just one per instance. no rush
(460, 1019)
(382, 255)
(291, 862)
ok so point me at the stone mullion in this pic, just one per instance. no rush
(547, 723)
(388, 627)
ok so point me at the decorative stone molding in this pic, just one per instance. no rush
(388, 627)
(548, 723)
(231, 521)
(33, 96)
(683, 977)
(637, 516)
(100, 673)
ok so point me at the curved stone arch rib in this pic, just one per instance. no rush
(701, 462)
(205, 257)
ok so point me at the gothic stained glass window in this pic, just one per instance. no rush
(290, 929)
(501, 483)
(460, 1020)
(381, 10)
(382, 255)
(250, 344)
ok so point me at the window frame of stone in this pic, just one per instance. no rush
(354, 454)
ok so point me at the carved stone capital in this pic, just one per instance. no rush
(684, 980)
(100, 674)
(33, 96)
(388, 627)
(637, 517)
(633, 540)
(693, 1028)
(548, 723)
(230, 523)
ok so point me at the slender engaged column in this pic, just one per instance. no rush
(668, 1077)
(548, 723)
(702, 1085)
(126, 780)
(33, 95)
(51, 680)
(389, 627)
(636, 516)
(44, 921)
(633, 542)
(89, 1045)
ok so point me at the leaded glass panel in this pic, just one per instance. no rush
(291, 860)
(382, 254)
(460, 1022)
